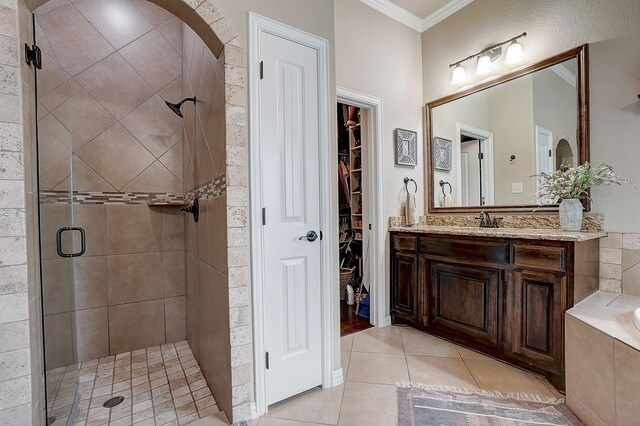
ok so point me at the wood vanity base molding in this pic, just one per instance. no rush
(501, 296)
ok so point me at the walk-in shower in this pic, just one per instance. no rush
(115, 167)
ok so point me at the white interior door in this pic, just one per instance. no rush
(544, 155)
(289, 129)
(471, 175)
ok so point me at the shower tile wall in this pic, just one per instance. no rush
(128, 290)
(104, 127)
(208, 322)
(102, 91)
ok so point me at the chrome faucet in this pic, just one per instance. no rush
(487, 222)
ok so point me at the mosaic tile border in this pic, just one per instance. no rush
(80, 197)
(590, 223)
(212, 189)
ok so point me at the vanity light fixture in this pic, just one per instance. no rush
(459, 75)
(486, 57)
(484, 66)
(514, 54)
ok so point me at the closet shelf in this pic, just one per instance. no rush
(355, 148)
(356, 171)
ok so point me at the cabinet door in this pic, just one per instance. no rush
(404, 285)
(464, 303)
(537, 315)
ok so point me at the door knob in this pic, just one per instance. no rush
(311, 236)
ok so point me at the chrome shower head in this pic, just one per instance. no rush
(176, 107)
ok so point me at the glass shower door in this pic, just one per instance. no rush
(60, 242)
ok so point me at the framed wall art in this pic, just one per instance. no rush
(441, 153)
(406, 147)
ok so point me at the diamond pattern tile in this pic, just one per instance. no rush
(76, 43)
(82, 116)
(154, 125)
(156, 178)
(115, 85)
(154, 58)
(119, 21)
(116, 156)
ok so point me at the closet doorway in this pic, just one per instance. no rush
(354, 218)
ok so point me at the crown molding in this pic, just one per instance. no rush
(443, 13)
(392, 10)
(402, 15)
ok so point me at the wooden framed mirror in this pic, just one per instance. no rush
(484, 144)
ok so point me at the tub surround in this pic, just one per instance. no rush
(612, 314)
(603, 360)
(522, 233)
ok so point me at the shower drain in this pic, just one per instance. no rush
(112, 402)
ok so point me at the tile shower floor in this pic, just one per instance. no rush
(160, 385)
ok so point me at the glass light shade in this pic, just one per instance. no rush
(514, 54)
(459, 75)
(484, 65)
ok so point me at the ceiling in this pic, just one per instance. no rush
(419, 15)
(421, 8)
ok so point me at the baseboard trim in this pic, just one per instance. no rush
(385, 321)
(338, 377)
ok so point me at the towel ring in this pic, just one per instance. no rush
(406, 184)
(443, 184)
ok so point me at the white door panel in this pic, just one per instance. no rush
(291, 192)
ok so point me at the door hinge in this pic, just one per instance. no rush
(266, 359)
(264, 216)
(369, 227)
(261, 70)
(33, 55)
(480, 156)
(320, 235)
(549, 153)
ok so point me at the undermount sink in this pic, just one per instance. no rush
(636, 318)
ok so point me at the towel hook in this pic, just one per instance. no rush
(406, 184)
(443, 184)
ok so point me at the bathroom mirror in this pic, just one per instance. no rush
(484, 144)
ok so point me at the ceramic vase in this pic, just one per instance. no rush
(571, 215)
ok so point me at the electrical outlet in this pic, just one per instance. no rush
(516, 188)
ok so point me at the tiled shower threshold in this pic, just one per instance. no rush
(161, 385)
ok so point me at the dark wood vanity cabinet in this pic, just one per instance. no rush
(504, 297)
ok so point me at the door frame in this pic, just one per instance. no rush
(486, 137)
(376, 262)
(328, 221)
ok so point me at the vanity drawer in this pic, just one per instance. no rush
(540, 257)
(403, 242)
(476, 251)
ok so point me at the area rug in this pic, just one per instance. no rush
(437, 406)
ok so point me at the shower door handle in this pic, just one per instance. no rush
(83, 241)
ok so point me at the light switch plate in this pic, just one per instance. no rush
(516, 188)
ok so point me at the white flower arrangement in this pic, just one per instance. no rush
(574, 182)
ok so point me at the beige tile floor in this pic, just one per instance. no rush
(162, 385)
(374, 360)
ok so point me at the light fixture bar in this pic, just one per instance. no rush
(488, 49)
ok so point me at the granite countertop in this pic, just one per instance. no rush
(522, 233)
(611, 313)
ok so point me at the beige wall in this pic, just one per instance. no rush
(610, 26)
(206, 256)
(380, 57)
(512, 124)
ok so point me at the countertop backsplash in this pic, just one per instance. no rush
(590, 223)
